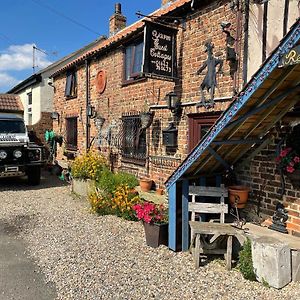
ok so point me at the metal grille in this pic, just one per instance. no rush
(134, 138)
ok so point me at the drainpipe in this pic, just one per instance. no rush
(246, 42)
(87, 103)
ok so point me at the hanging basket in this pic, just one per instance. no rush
(294, 178)
(146, 119)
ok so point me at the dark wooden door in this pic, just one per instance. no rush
(199, 124)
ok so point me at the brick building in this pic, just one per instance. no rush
(126, 94)
(101, 96)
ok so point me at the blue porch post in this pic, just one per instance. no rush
(172, 216)
(185, 215)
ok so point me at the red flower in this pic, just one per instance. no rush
(290, 169)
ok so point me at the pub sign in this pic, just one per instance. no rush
(291, 58)
(159, 51)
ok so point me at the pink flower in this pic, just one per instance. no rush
(290, 169)
(296, 159)
(291, 163)
(285, 152)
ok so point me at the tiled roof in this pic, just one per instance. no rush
(123, 34)
(10, 103)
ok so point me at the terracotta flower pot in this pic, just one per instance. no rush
(156, 234)
(159, 191)
(145, 184)
(238, 194)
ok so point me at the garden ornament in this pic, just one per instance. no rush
(210, 80)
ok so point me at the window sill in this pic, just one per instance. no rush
(139, 162)
(133, 81)
(71, 97)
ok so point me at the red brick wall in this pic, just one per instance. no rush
(40, 128)
(264, 179)
(118, 99)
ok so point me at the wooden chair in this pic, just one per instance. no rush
(200, 230)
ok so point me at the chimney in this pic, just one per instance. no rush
(117, 21)
(165, 2)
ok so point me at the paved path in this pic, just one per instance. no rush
(19, 276)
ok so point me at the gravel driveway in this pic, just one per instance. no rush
(92, 257)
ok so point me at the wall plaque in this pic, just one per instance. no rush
(159, 51)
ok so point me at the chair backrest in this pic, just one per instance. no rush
(212, 208)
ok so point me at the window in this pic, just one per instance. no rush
(134, 140)
(71, 84)
(133, 60)
(71, 128)
(29, 108)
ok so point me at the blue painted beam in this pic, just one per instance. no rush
(185, 215)
(218, 158)
(172, 216)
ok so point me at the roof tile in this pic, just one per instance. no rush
(10, 103)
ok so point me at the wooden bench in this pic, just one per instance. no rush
(201, 229)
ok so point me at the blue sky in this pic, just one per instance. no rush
(45, 23)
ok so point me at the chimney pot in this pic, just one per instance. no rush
(117, 21)
(118, 9)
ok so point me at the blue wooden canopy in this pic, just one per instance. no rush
(268, 96)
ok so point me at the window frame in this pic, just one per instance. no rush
(71, 137)
(133, 76)
(71, 84)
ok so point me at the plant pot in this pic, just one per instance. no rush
(238, 195)
(146, 119)
(159, 191)
(145, 184)
(294, 178)
(156, 234)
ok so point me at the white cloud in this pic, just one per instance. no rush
(7, 80)
(20, 57)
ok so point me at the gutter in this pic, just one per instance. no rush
(87, 104)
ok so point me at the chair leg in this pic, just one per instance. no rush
(197, 251)
(229, 252)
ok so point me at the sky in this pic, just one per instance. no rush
(57, 28)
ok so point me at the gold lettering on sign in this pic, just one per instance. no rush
(292, 58)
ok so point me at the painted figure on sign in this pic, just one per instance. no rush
(210, 80)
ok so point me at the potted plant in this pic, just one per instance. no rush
(154, 217)
(289, 162)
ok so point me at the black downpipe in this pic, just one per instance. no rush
(246, 42)
(87, 104)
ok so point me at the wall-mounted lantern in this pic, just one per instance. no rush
(170, 136)
(174, 104)
(91, 112)
(55, 115)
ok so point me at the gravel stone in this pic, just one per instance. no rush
(104, 257)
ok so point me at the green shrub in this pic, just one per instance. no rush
(106, 181)
(123, 178)
(245, 261)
